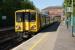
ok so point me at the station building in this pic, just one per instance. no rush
(54, 11)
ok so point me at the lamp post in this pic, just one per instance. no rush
(72, 19)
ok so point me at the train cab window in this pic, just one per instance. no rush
(26, 16)
(32, 17)
(19, 17)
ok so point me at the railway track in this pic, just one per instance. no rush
(11, 43)
(6, 33)
(9, 39)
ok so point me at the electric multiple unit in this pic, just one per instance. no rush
(31, 21)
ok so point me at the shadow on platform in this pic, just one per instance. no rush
(51, 28)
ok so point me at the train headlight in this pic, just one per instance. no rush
(18, 27)
(33, 27)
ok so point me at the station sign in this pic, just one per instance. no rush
(3, 17)
(69, 9)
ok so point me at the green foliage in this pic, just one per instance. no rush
(67, 3)
(8, 7)
(27, 5)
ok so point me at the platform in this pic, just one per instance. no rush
(60, 39)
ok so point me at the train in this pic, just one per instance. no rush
(29, 22)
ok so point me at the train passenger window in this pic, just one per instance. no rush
(32, 16)
(19, 17)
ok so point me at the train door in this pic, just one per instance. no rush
(26, 24)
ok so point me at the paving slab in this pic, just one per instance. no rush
(64, 41)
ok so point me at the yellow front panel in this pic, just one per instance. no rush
(30, 26)
(26, 26)
(33, 26)
(18, 26)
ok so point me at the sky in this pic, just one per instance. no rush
(41, 4)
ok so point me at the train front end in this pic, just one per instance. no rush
(26, 21)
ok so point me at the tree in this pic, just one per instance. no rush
(8, 7)
(67, 3)
(26, 4)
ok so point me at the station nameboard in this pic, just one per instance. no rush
(69, 9)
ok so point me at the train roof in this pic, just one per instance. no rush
(44, 14)
(26, 10)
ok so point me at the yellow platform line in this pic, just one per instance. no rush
(35, 44)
